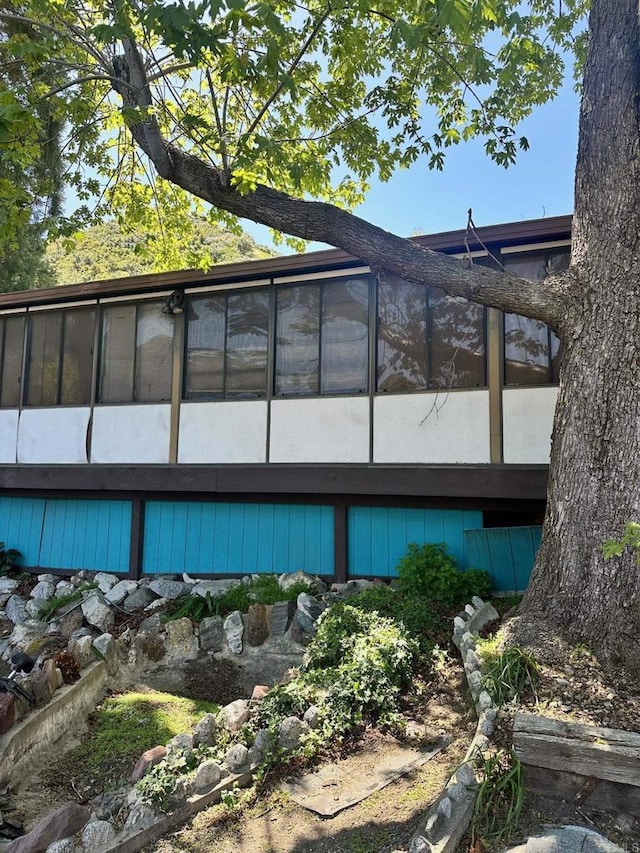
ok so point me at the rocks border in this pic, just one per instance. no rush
(444, 824)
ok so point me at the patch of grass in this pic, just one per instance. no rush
(499, 800)
(507, 674)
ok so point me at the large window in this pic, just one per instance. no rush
(227, 345)
(60, 357)
(427, 339)
(11, 345)
(136, 356)
(531, 349)
(322, 338)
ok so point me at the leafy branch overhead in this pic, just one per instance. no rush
(255, 108)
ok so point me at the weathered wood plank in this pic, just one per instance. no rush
(609, 796)
(538, 724)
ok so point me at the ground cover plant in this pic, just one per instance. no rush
(8, 558)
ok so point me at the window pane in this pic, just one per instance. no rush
(345, 344)
(247, 336)
(43, 360)
(117, 354)
(526, 342)
(154, 354)
(402, 336)
(298, 340)
(205, 347)
(457, 341)
(77, 356)
(11, 361)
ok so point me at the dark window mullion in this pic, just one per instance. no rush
(226, 347)
(63, 326)
(320, 324)
(134, 380)
(3, 335)
(429, 333)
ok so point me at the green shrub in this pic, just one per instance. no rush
(8, 558)
(427, 571)
(499, 799)
(506, 675)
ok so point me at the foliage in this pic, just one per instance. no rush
(428, 571)
(113, 250)
(50, 607)
(507, 674)
(8, 558)
(500, 798)
(263, 589)
(630, 539)
(163, 781)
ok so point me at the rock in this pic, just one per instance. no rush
(158, 604)
(181, 643)
(105, 581)
(38, 685)
(8, 585)
(64, 588)
(34, 607)
(257, 624)
(16, 609)
(147, 759)
(169, 589)
(69, 620)
(117, 594)
(53, 675)
(211, 634)
(96, 834)
(290, 732)
(233, 631)
(307, 612)
(63, 823)
(234, 715)
(152, 624)
(43, 589)
(312, 716)
(138, 599)
(207, 776)
(146, 647)
(214, 587)
(82, 651)
(457, 792)
(106, 647)
(182, 742)
(26, 634)
(287, 580)
(259, 692)
(264, 741)
(205, 730)
(141, 816)
(236, 758)
(65, 845)
(445, 806)
(484, 700)
(280, 617)
(108, 804)
(97, 612)
(7, 712)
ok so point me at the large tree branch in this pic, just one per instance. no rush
(327, 223)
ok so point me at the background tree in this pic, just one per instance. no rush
(281, 112)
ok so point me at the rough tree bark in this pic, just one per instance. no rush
(594, 482)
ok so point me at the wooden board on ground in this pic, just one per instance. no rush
(580, 790)
(606, 754)
(341, 784)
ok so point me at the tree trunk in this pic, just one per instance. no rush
(594, 485)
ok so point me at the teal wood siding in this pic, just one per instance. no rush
(237, 538)
(507, 553)
(57, 533)
(379, 536)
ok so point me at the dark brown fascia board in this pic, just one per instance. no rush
(517, 482)
(511, 233)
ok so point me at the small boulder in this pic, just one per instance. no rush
(117, 594)
(105, 646)
(234, 715)
(7, 712)
(257, 624)
(288, 580)
(34, 607)
(280, 617)
(138, 599)
(43, 589)
(181, 643)
(312, 716)
(8, 585)
(64, 588)
(62, 823)
(105, 581)
(234, 631)
(169, 589)
(208, 775)
(290, 732)
(211, 634)
(206, 730)
(16, 609)
(236, 758)
(259, 692)
(82, 650)
(307, 612)
(97, 612)
(214, 587)
(96, 834)
(148, 759)
(180, 742)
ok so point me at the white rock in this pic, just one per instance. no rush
(43, 589)
(236, 758)
(234, 715)
(445, 807)
(234, 631)
(97, 833)
(477, 602)
(290, 732)
(484, 700)
(64, 588)
(118, 592)
(105, 645)
(207, 776)
(181, 643)
(97, 612)
(105, 581)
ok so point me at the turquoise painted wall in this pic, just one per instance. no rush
(379, 536)
(226, 538)
(507, 553)
(58, 533)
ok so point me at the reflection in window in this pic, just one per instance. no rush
(60, 357)
(298, 340)
(457, 341)
(402, 336)
(531, 349)
(11, 344)
(227, 346)
(428, 339)
(345, 346)
(136, 354)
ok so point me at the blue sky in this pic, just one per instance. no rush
(540, 184)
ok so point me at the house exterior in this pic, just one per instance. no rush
(290, 413)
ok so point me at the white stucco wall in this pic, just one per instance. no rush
(221, 432)
(131, 434)
(329, 429)
(432, 428)
(8, 435)
(53, 436)
(527, 420)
